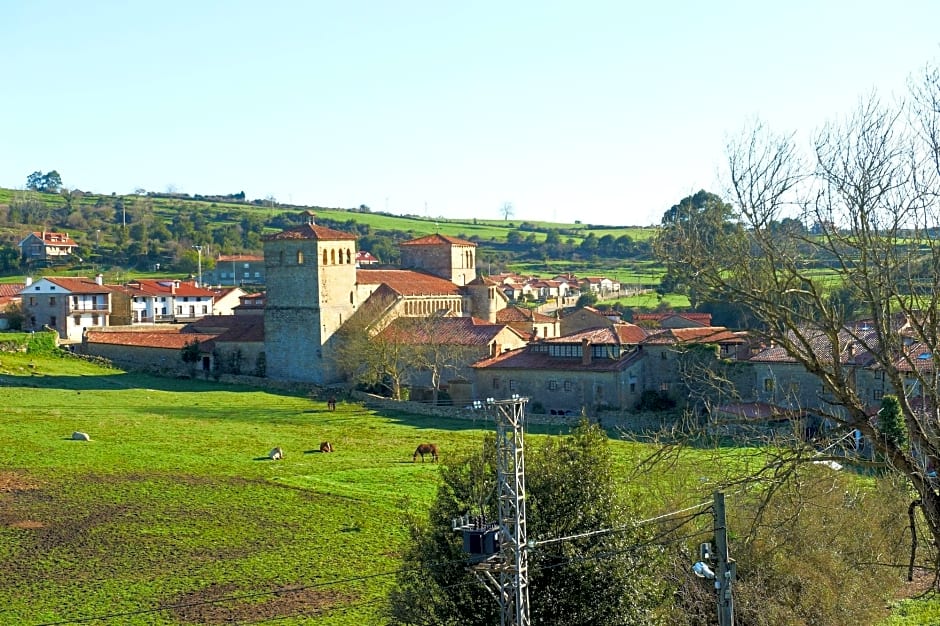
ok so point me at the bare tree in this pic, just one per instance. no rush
(507, 210)
(870, 186)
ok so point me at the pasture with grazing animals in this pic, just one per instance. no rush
(170, 504)
(169, 516)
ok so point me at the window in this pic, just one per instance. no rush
(512, 385)
(179, 309)
(553, 385)
(300, 258)
(94, 318)
(32, 301)
(662, 355)
(257, 274)
(768, 384)
(205, 309)
(495, 383)
(877, 394)
(664, 387)
(632, 387)
(52, 321)
(77, 320)
(247, 266)
(568, 385)
(51, 300)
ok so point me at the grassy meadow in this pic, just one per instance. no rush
(173, 503)
(172, 514)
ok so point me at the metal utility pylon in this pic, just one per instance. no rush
(510, 473)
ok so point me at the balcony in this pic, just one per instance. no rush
(90, 307)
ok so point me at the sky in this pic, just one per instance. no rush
(604, 112)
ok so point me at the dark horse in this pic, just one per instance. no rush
(425, 448)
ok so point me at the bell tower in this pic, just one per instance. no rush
(311, 292)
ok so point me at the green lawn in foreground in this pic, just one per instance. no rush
(173, 503)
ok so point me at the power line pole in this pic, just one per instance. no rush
(727, 570)
(507, 555)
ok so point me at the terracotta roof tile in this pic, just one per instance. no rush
(146, 339)
(168, 286)
(437, 240)
(529, 358)
(461, 331)
(707, 334)
(520, 314)
(78, 285)
(310, 231)
(408, 282)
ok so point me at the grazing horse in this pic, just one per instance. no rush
(425, 448)
(326, 446)
(276, 454)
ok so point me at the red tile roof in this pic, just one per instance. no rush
(437, 240)
(460, 331)
(520, 314)
(55, 239)
(146, 339)
(408, 282)
(703, 318)
(310, 231)
(79, 285)
(530, 359)
(8, 290)
(168, 286)
(708, 334)
(229, 258)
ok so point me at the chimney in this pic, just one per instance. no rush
(29, 281)
(310, 216)
(585, 351)
(99, 279)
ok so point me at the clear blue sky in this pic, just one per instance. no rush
(604, 112)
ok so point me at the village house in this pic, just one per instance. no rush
(226, 299)
(156, 300)
(596, 369)
(529, 322)
(9, 295)
(235, 270)
(67, 305)
(47, 248)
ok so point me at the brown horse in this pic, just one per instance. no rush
(425, 448)
(326, 446)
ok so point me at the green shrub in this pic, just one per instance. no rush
(44, 342)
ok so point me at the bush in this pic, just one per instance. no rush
(44, 342)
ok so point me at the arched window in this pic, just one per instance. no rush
(348, 256)
(351, 301)
(300, 257)
(333, 257)
(325, 259)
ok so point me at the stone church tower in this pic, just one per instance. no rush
(311, 292)
(443, 256)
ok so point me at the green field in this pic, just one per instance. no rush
(174, 502)
(173, 514)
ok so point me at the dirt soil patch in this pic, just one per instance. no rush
(11, 482)
(224, 604)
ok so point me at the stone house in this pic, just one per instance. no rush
(529, 322)
(67, 305)
(157, 349)
(600, 368)
(47, 248)
(589, 370)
